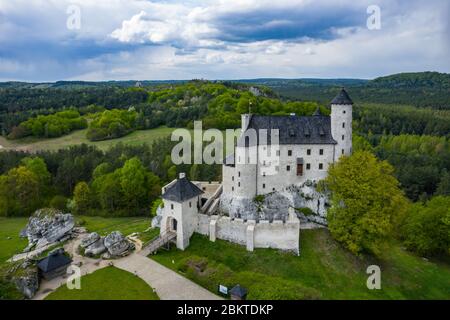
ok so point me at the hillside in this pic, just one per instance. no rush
(422, 89)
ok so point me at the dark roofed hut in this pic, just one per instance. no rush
(54, 265)
(238, 293)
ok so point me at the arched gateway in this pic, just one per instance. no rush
(180, 213)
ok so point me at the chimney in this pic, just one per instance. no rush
(182, 175)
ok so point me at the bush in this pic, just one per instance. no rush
(305, 210)
(59, 202)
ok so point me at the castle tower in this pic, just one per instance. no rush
(181, 200)
(341, 124)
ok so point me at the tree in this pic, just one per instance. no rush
(443, 188)
(19, 192)
(59, 202)
(366, 202)
(426, 228)
(39, 168)
(132, 181)
(82, 197)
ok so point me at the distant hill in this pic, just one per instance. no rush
(420, 89)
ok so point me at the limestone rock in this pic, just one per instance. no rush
(89, 239)
(28, 282)
(47, 226)
(275, 205)
(96, 248)
(117, 244)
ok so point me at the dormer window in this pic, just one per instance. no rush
(307, 132)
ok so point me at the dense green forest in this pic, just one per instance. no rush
(50, 126)
(29, 181)
(421, 89)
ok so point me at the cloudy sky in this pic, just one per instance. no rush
(48, 40)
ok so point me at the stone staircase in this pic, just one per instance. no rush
(158, 242)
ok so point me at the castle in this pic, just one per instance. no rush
(263, 181)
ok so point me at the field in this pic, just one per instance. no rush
(78, 137)
(107, 284)
(324, 270)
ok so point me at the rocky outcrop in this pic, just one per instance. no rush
(90, 239)
(156, 221)
(26, 278)
(275, 205)
(93, 244)
(117, 244)
(47, 226)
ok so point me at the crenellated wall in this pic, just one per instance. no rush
(264, 234)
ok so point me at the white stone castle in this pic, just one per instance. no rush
(256, 201)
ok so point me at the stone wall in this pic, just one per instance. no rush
(264, 234)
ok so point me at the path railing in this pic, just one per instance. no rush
(157, 242)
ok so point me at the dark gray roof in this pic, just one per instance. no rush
(293, 129)
(182, 190)
(53, 262)
(342, 98)
(238, 291)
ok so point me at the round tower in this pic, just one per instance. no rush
(341, 124)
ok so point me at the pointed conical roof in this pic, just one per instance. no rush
(342, 98)
(182, 190)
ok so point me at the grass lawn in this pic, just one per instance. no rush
(126, 225)
(10, 242)
(107, 284)
(324, 270)
(78, 137)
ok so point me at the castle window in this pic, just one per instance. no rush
(288, 168)
(190, 204)
(264, 174)
(264, 185)
(343, 124)
(171, 206)
(239, 174)
(239, 184)
(232, 188)
(273, 189)
(308, 166)
(232, 178)
(321, 151)
(343, 137)
(343, 111)
(289, 152)
(342, 151)
(308, 152)
(320, 166)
